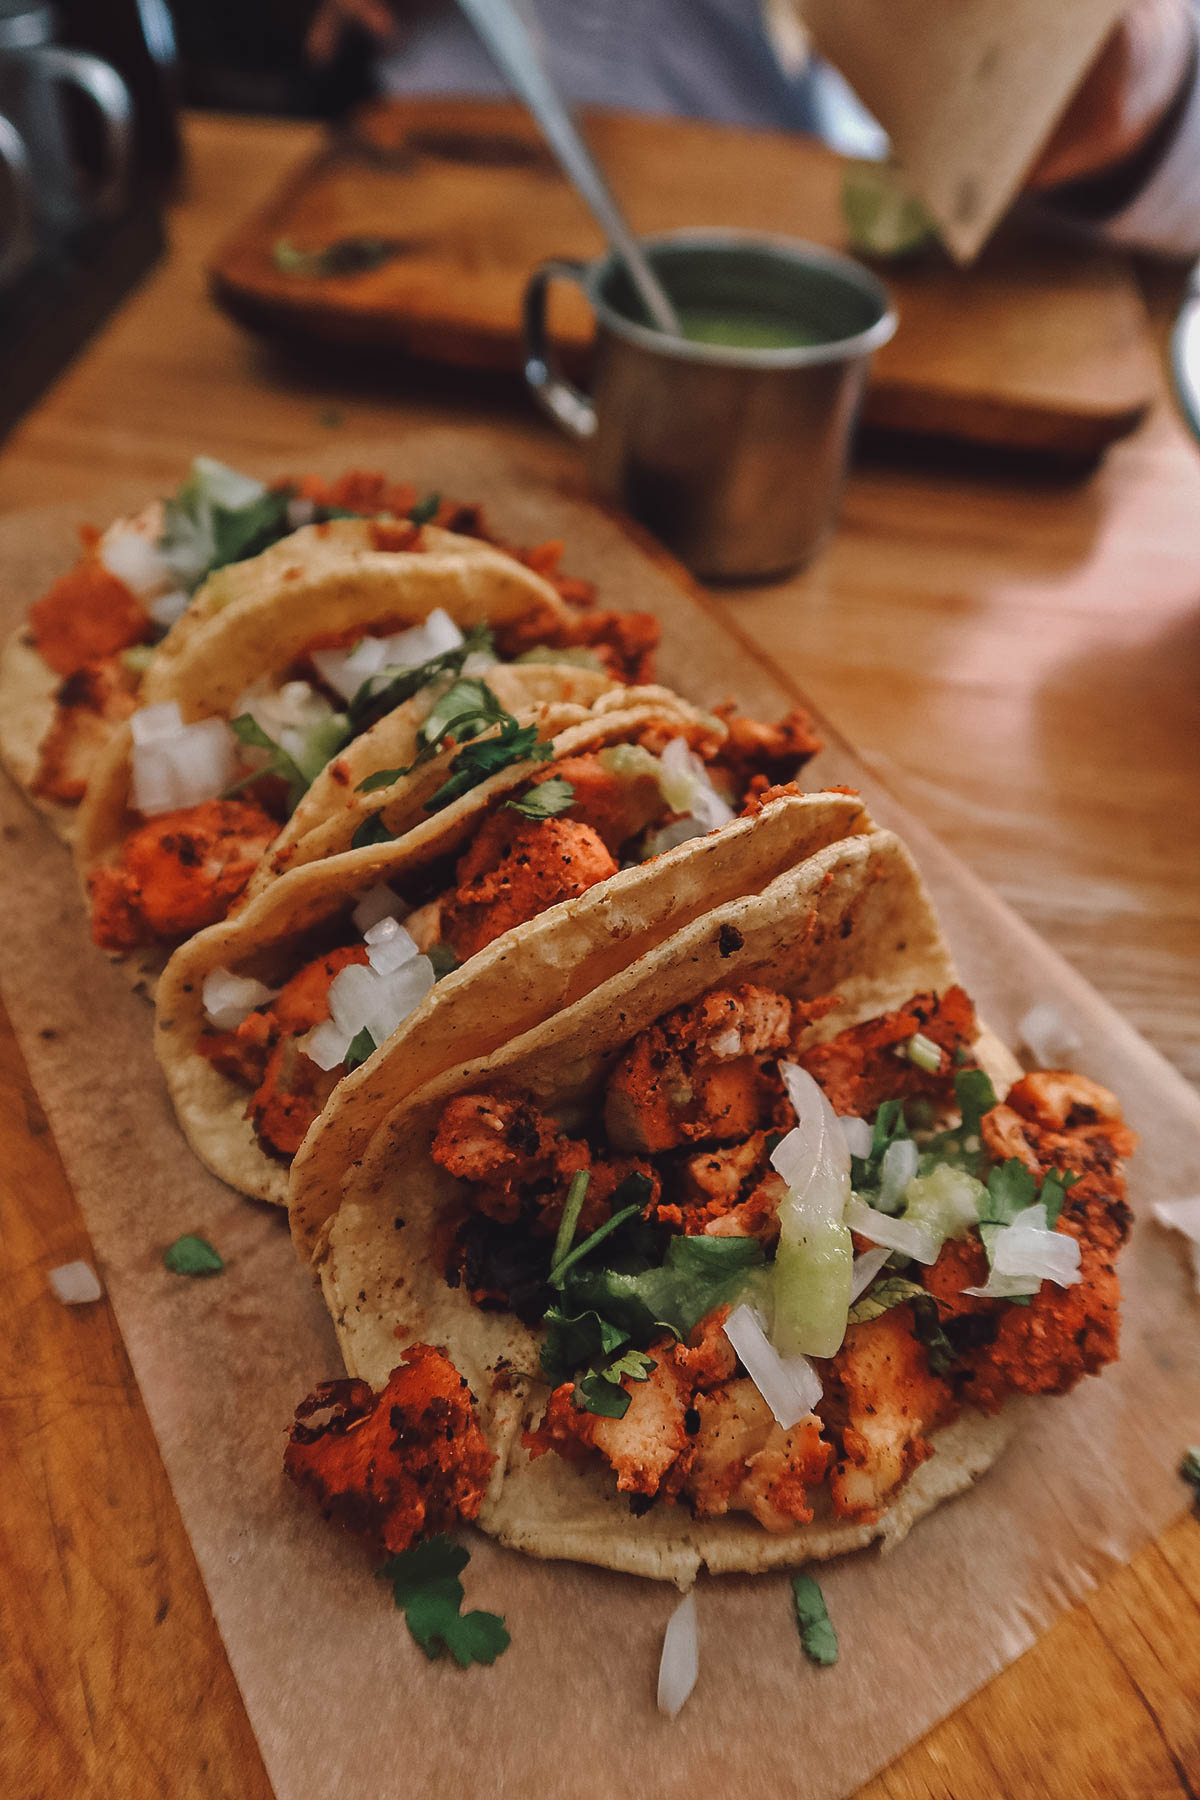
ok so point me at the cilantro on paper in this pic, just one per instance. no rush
(361, 1046)
(546, 801)
(427, 1590)
(190, 1255)
(1189, 1469)
(817, 1636)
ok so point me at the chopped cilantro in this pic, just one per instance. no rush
(190, 1255)
(425, 509)
(889, 1128)
(600, 1390)
(475, 762)
(613, 1223)
(572, 1207)
(380, 779)
(217, 517)
(247, 730)
(546, 800)
(572, 1342)
(817, 1636)
(695, 1275)
(896, 1290)
(975, 1095)
(361, 1046)
(371, 831)
(1055, 1188)
(443, 960)
(344, 256)
(1189, 1469)
(427, 1590)
(1011, 1188)
(388, 688)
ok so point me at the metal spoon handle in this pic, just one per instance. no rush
(504, 33)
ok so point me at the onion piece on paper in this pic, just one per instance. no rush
(679, 1665)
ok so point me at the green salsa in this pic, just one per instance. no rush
(745, 330)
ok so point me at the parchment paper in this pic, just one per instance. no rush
(341, 1698)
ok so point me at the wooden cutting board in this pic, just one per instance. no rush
(1040, 346)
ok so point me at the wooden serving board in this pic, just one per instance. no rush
(1039, 346)
(339, 1698)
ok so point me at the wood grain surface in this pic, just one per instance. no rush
(1018, 659)
(1039, 344)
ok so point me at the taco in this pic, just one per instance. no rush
(189, 793)
(631, 1236)
(259, 1017)
(144, 587)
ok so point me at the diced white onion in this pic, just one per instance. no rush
(363, 999)
(924, 1053)
(168, 608)
(679, 831)
(150, 724)
(288, 714)
(1028, 1252)
(679, 1666)
(790, 1385)
(818, 1135)
(858, 1135)
(1050, 1040)
(908, 1236)
(897, 1169)
(300, 511)
(346, 670)
(134, 559)
(389, 947)
(866, 1268)
(479, 662)
(1183, 1216)
(229, 998)
(728, 1045)
(687, 789)
(378, 902)
(1180, 1215)
(325, 1045)
(76, 1284)
(176, 765)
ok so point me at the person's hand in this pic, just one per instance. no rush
(1124, 94)
(333, 16)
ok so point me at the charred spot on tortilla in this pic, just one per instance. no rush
(729, 940)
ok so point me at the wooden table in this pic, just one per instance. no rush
(1018, 658)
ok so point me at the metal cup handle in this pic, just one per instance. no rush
(109, 94)
(18, 252)
(559, 398)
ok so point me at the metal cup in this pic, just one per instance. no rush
(733, 457)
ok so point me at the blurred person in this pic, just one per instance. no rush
(1124, 159)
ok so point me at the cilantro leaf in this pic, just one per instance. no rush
(572, 1207)
(600, 1390)
(889, 1128)
(1011, 1188)
(380, 779)
(572, 1342)
(893, 1290)
(546, 801)
(613, 1223)
(1189, 1469)
(817, 1636)
(361, 1047)
(388, 688)
(247, 730)
(514, 743)
(190, 1255)
(427, 1590)
(426, 509)
(896, 1290)
(371, 831)
(1055, 1187)
(695, 1275)
(975, 1095)
(443, 959)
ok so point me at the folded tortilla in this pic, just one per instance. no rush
(496, 994)
(854, 919)
(322, 578)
